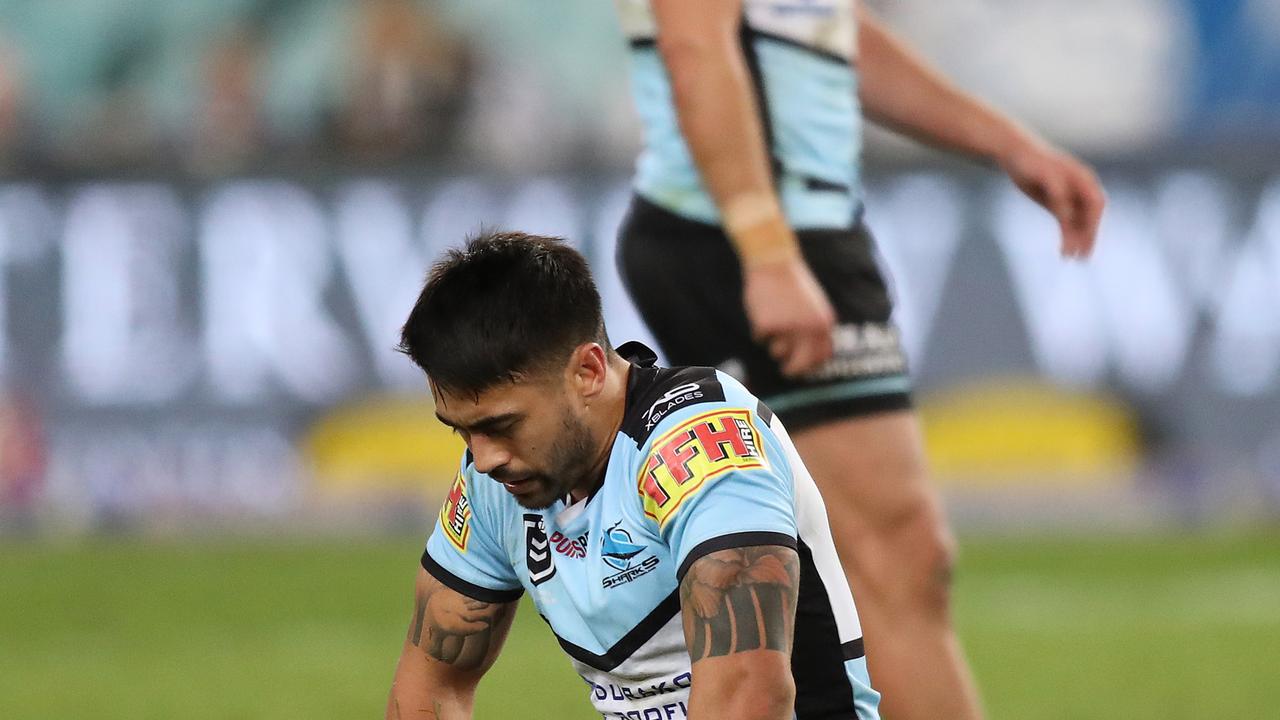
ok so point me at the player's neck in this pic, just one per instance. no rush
(610, 407)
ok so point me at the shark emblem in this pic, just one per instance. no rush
(617, 548)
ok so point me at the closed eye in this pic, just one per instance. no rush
(498, 426)
(502, 430)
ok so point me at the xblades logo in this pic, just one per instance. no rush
(673, 398)
(537, 550)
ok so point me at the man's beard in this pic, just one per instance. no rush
(572, 456)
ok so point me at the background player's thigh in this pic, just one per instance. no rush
(893, 540)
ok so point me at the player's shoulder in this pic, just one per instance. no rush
(660, 399)
(695, 427)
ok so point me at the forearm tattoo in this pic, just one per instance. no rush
(454, 628)
(740, 599)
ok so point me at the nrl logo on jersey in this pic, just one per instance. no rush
(542, 566)
(455, 515)
(621, 553)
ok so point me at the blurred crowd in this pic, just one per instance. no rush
(209, 84)
(217, 86)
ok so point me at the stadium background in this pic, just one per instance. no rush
(215, 473)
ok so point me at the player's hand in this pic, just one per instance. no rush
(790, 313)
(1064, 186)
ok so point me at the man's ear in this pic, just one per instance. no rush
(587, 368)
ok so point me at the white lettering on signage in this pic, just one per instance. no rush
(291, 296)
(266, 263)
(384, 266)
(917, 222)
(123, 336)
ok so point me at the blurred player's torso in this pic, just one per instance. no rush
(699, 465)
(799, 55)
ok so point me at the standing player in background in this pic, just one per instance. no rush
(749, 198)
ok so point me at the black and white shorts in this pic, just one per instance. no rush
(685, 280)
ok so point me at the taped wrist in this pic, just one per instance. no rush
(759, 230)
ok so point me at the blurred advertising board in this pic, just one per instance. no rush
(173, 349)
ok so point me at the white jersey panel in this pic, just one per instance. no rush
(815, 531)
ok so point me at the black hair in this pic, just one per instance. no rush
(506, 305)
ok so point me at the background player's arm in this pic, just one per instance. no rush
(719, 119)
(738, 607)
(452, 641)
(898, 89)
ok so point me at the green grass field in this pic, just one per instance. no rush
(1162, 627)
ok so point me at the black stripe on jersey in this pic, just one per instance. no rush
(792, 42)
(817, 184)
(766, 415)
(733, 540)
(625, 647)
(746, 38)
(644, 43)
(471, 590)
(823, 690)
(853, 649)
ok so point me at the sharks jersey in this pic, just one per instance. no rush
(799, 54)
(699, 465)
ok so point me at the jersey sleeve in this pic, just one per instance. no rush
(717, 479)
(465, 554)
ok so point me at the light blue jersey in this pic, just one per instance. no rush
(699, 465)
(799, 53)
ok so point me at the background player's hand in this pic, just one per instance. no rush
(1064, 186)
(789, 312)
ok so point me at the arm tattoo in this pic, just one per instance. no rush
(454, 628)
(740, 599)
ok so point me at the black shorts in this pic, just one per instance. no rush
(685, 280)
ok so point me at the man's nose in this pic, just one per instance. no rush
(488, 455)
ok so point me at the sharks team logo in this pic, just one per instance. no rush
(621, 553)
(455, 514)
(617, 548)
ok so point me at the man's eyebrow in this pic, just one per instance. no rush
(481, 424)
